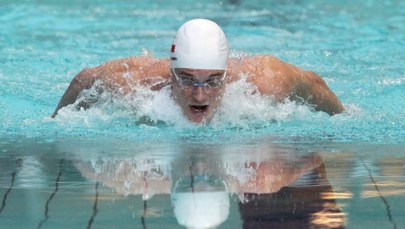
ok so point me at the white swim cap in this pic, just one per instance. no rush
(199, 210)
(200, 44)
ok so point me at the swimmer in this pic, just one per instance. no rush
(198, 71)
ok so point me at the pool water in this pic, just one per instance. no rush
(101, 183)
(89, 168)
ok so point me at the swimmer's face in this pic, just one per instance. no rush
(198, 92)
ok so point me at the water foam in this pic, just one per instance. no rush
(241, 106)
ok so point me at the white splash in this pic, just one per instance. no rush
(241, 106)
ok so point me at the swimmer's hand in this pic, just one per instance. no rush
(84, 80)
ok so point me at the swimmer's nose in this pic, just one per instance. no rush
(199, 94)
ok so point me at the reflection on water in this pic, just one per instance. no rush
(195, 186)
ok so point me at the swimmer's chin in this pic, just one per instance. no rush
(200, 114)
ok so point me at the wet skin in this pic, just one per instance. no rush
(271, 76)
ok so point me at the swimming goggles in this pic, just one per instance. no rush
(187, 82)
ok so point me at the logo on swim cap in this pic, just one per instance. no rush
(200, 44)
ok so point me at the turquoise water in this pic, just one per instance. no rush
(357, 46)
(45, 43)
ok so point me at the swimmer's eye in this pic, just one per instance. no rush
(187, 82)
(214, 83)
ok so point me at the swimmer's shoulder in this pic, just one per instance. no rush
(134, 68)
(141, 65)
(259, 59)
(256, 66)
(271, 75)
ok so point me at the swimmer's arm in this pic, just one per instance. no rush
(110, 74)
(82, 81)
(314, 90)
(281, 80)
(118, 76)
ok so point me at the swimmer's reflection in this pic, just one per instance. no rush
(277, 187)
(199, 199)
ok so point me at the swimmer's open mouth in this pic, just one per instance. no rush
(198, 108)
